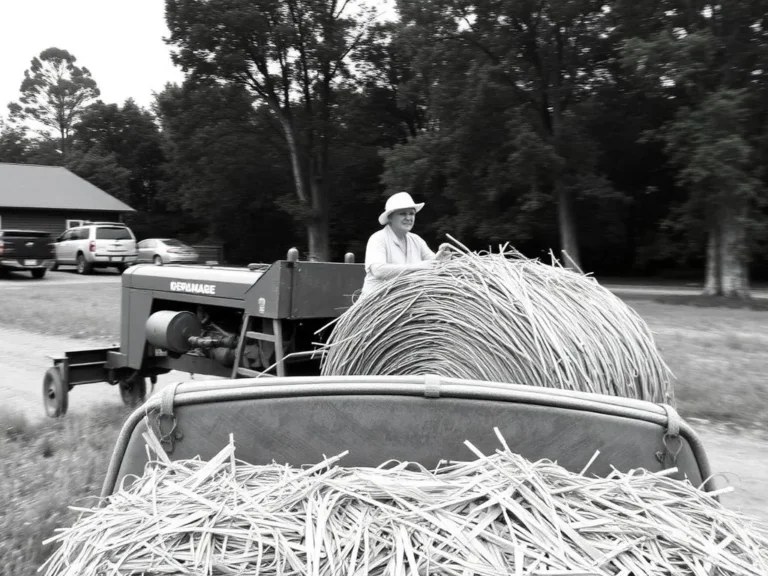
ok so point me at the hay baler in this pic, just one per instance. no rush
(259, 320)
(245, 323)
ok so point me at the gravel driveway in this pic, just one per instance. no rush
(66, 276)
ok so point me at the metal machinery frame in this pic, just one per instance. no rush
(261, 304)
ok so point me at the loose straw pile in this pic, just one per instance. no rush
(504, 318)
(498, 514)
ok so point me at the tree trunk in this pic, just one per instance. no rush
(317, 220)
(293, 150)
(569, 248)
(312, 194)
(727, 262)
(63, 142)
(317, 227)
(568, 244)
(735, 282)
(713, 286)
(319, 249)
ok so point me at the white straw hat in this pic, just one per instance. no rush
(399, 201)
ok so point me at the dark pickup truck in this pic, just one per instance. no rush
(26, 250)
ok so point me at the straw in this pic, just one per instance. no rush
(500, 317)
(497, 514)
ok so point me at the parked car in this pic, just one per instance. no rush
(26, 250)
(166, 251)
(97, 245)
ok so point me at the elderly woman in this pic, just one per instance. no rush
(395, 249)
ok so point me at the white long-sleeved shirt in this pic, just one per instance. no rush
(386, 256)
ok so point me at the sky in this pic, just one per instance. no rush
(119, 41)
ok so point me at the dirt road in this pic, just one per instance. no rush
(742, 457)
(24, 360)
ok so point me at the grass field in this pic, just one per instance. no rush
(44, 468)
(90, 311)
(719, 355)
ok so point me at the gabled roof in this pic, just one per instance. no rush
(53, 188)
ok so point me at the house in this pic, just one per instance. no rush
(52, 199)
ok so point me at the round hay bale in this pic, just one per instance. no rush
(500, 317)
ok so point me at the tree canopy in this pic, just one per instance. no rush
(625, 138)
(54, 94)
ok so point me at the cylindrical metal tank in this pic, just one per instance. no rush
(171, 329)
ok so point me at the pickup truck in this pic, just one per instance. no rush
(30, 250)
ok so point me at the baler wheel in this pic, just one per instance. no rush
(133, 389)
(55, 393)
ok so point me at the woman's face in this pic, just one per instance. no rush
(402, 220)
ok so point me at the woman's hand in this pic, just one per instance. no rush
(444, 252)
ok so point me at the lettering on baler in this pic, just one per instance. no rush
(193, 288)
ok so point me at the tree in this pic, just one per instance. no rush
(226, 169)
(55, 93)
(132, 136)
(100, 168)
(717, 164)
(705, 58)
(484, 170)
(292, 55)
(368, 122)
(45, 151)
(386, 74)
(14, 144)
(537, 61)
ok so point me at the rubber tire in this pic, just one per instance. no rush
(39, 273)
(122, 268)
(133, 390)
(83, 266)
(54, 266)
(55, 393)
(157, 261)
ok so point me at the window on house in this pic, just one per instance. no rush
(74, 223)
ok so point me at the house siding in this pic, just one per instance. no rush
(52, 221)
